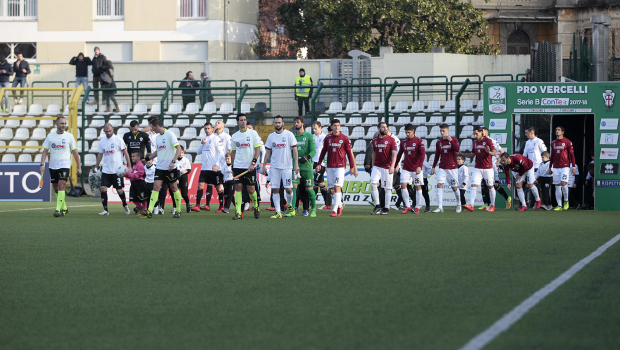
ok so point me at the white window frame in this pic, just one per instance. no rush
(4, 10)
(112, 16)
(194, 15)
(13, 56)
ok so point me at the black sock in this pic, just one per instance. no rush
(326, 196)
(412, 196)
(208, 195)
(400, 200)
(486, 199)
(501, 191)
(104, 200)
(220, 196)
(122, 195)
(198, 197)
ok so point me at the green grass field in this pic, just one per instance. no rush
(429, 281)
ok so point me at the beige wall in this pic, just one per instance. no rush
(281, 73)
(59, 52)
(236, 51)
(146, 50)
(216, 9)
(216, 50)
(150, 15)
(55, 15)
(243, 11)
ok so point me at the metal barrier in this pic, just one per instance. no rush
(159, 82)
(336, 94)
(268, 94)
(484, 78)
(478, 90)
(389, 80)
(433, 91)
(31, 96)
(364, 94)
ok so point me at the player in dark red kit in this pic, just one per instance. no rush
(338, 148)
(412, 148)
(446, 149)
(523, 169)
(383, 160)
(484, 151)
(562, 160)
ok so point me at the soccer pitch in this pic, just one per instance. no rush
(428, 281)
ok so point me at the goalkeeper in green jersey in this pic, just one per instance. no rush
(306, 150)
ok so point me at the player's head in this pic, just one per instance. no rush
(316, 127)
(242, 121)
(335, 124)
(278, 123)
(530, 132)
(444, 129)
(61, 124)
(505, 158)
(460, 159)
(134, 126)
(559, 131)
(182, 150)
(151, 118)
(157, 125)
(208, 128)
(410, 130)
(479, 133)
(228, 158)
(135, 157)
(250, 125)
(108, 129)
(383, 129)
(545, 156)
(219, 126)
(299, 123)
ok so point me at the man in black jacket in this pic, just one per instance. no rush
(97, 62)
(205, 95)
(6, 71)
(189, 95)
(81, 64)
(136, 140)
(21, 69)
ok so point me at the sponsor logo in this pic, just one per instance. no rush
(609, 139)
(64, 141)
(497, 99)
(497, 124)
(554, 102)
(609, 169)
(609, 124)
(607, 183)
(608, 97)
(609, 153)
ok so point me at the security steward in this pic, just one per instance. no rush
(303, 91)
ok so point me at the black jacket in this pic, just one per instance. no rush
(81, 67)
(107, 77)
(205, 95)
(5, 77)
(193, 83)
(368, 157)
(138, 143)
(97, 63)
(18, 69)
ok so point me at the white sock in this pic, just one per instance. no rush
(492, 195)
(565, 192)
(472, 195)
(375, 195)
(288, 197)
(521, 196)
(558, 195)
(405, 195)
(534, 190)
(336, 202)
(418, 199)
(388, 197)
(457, 195)
(440, 197)
(276, 201)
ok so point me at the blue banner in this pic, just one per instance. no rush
(19, 182)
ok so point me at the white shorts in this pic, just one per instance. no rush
(560, 175)
(449, 176)
(335, 177)
(486, 174)
(411, 177)
(495, 172)
(286, 175)
(529, 175)
(382, 177)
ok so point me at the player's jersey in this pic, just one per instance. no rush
(382, 148)
(60, 147)
(562, 154)
(414, 153)
(497, 148)
(338, 148)
(224, 146)
(305, 147)
(483, 159)
(446, 150)
(244, 143)
(227, 172)
(519, 164)
(137, 143)
(166, 147)
(281, 146)
(210, 152)
(396, 142)
(112, 149)
(153, 141)
(318, 143)
(533, 150)
(149, 173)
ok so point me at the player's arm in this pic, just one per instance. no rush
(551, 160)
(466, 172)
(391, 171)
(76, 156)
(507, 172)
(321, 156)
(571, 158)
(455, 144)
(176, 156)
(99, 157)
(267, 156)
(44, 158)
(151, 156)
(296, 159)
(127, 157)
(312, 148)
(399, 155)
(256, 155)
(349, 151)
(147, 140)
(437, 156)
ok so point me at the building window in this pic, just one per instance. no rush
(192, 9)
(10, 50)
(18, 10)
(518, 43)
(110, 9)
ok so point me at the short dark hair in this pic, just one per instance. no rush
(156, 122)
(208, 124)
(138, 153)
(460, 156)
(479, 128)
(484, 128)
(560, 127)
(505, 155)
(134, 123)
(187, 74)
(60, 117)
(381, 123)
(409, 126)
(182, 148)
(151, 118)
(329, 128)
(249, 123)
(316, 122)
(240, 115)
(278, 117)
(334, 121)
(444, 126)
(298, 118)
(531, 129)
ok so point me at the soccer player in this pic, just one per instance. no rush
(319, 179)
(245, 147)
(483, 168)
(211, 159)
(167, 151)
(337, 147)
(60, 145)
(281, 146)
(224, 150)
(136, 140)
(446, 149)
(412, 148)
(499, 189)
(522, 169)
(112, 148)
(384, 161)
(306, 150)
(562, 160)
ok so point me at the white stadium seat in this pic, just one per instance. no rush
(421, 132)
(175, 131)
(371, 121)
(19, 110)
(359, 159)
(6, 134)
(12, 123)
(450, 120)
(433, 106)
(192, 108)
(355, 119)
(467, 132)
(122, 131)
(47, 123)
(226, 108)
(417, 107)
(367, 107)
(381, 109)
(90, 160)
(401, 106)
(357, 132)
(155, 109)
(97, 123)
(467, 144)
(29, 123)
(94, 147)
(435, 120)
(230, 122)
(334, 108)
(21, 134)
(403, 119)
(37, 158)
(115, 121)
(467, 105)
(90, 133)
(24, 158)
(449, 107)
(193, 146)
(467, 119)
(359, 146)
(31, 150)
(182, 121)
(189, 134)
(352, 107)
(38, 134)
(2, 143)
(419, 120)
(209, 108)
(52, 109)
(479, 106)
(14, 150)
(8, 158)
(198, 122)
(123, 108)
(174, 108)
(245, 107)
(198, 159)
(168, 122)
(35, 109)
(139, 109)
(89, 109)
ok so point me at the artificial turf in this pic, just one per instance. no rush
(428, 281)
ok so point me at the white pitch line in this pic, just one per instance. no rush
(482, 339)
(73, 206)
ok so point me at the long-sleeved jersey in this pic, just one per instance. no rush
(414, 153)
(519, 164)
(446, 150)
(337, 148)
(562, 154)
(137, 172)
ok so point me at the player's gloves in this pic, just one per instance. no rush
(303, 160)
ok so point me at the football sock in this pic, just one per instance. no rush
(220, 196)
(199, 194)
(534, 190)
(208, 194)
(238, 201)
(60, 200)
(289, 197)
(440, 197)
(565, 192)
(501, 191)
(254, 198)
(64, 202)
(375, 194)
(336, 201)
(276, 201)
(485, 195)
(521, 197)
(123, 199)
(312, 196)
(558, 195)
(399, 201)
(492, 194)
(472, 195)
(154, 199)
(405, 193)
(104, 199)
(326, 196)
(418, 198)
(177, 199)
(457, 194)
(388, 198)
(412, 197)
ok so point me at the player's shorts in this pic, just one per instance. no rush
(318, 175)
(560, 175)
(138, 192)
(166, 176)
(411, 177)
(527, 176)
(61, 174)
(284, 175)
(382, 177)
(210, 177)
(495, 172)
(220, 177)
(335, 177)
(112, 180)
(448, 176)
(480, 174)
(249, 179)
(306, 177)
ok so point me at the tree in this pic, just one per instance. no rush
(331, 28)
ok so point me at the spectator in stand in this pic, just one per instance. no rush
(107, 82)
(97, 62)
(205, 94)
(189, 96)
(6, 70)
(81, 64)
(21, 69)
(303, 93)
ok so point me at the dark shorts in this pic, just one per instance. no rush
(249, 179)
(61, 174)
(166, 176)
(210, 177)
(138, 192)
(112, 180)
(319, 175)
(220, 177)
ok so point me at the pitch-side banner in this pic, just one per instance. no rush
(19, 182)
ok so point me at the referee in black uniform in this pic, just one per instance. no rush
(136, 140)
